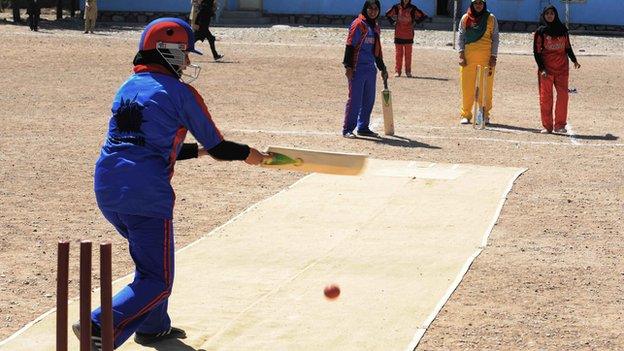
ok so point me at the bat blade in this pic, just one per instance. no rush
(479, 117)
(388, 114)
(313, 161)
(281, 160)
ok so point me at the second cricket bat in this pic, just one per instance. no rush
(388, 115)
(303, 160)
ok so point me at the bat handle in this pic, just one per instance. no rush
(385, 81)
(269, 159)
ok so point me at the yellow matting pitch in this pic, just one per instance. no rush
(397, 240)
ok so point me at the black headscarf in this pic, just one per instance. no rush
(150, 57)
(371, 21)
(554, 28)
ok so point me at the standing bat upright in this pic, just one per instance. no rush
(480, 96)
(388, 115)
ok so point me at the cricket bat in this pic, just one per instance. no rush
(480, 97)
(312, 161)
(388, 115)
(477, 98)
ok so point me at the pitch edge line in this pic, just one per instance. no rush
(26, 327)
(300, 133)
(423, 328)
(215, 230)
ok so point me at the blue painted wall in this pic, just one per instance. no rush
(608, 12)
(143, 5)
(333, 7)
(590, 12)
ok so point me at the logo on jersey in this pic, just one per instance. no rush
(554, 43)
(128, 120)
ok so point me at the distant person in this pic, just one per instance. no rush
(193, 15)
(33, 11)
(362, 53)
(478, 45)
(552, 48)
(403, 16)
(16, 12)
(151, 115)
(207, 9)
(90, 15)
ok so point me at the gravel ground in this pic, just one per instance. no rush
(551, 276)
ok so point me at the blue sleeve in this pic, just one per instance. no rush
(196, 118)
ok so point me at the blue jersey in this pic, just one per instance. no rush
(362, 37)
(151, 114)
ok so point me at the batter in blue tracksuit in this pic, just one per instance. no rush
(151, 114)
(362, 53)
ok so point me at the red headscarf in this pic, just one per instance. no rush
(473, 16)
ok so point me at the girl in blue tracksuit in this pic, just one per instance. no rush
(362, 54)
(151, 114)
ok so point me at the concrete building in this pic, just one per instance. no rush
(605, 13)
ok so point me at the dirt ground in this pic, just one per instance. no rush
(551, 277)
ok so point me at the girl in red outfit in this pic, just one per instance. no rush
(551, 48)
(403, 16)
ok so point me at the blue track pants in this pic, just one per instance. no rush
(361, 100)
(142, 305)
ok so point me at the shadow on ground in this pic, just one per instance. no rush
(399, 141)
(430, 78)
(173, 345)
(606, 137)
(503, 127)
(512, 128)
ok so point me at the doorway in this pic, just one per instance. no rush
(444, 7)
(250, 5)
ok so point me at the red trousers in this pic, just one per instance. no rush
(560, 81)
(403, 50)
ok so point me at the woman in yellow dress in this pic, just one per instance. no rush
(478, 45)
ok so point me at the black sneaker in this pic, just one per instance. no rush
(96, 335)
(368, 133)
(172, 333)
(218, 57)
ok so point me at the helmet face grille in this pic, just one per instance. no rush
(174, 57)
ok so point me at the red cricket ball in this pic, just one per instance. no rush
(331, 291)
